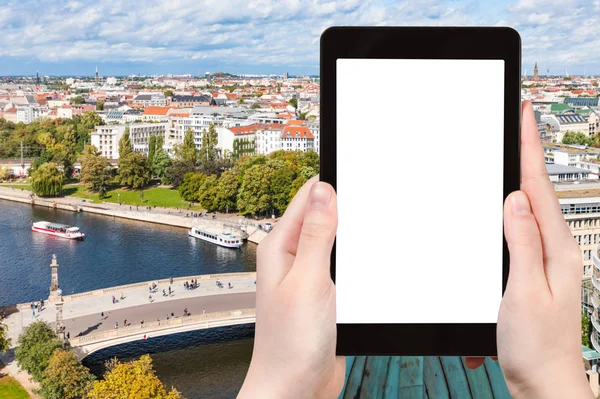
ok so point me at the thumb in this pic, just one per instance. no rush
(318, 231)
(524, 244)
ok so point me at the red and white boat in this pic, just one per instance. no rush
(58, 230)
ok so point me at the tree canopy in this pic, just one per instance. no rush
(96, 171)
(65, 377)
(35, 347)
(134, 170)
(134, 379)
(47, 181)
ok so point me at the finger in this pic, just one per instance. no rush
(318, 233)
(535, 183)
(525, 246)
(275, 254)
(474, 362)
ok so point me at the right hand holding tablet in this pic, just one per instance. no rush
(539, 324)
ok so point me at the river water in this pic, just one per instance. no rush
(116, 251)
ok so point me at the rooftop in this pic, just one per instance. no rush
(555, 169)
(567, 119)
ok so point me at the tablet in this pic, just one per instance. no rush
(420, 139)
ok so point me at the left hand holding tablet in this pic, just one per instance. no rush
(294, 346)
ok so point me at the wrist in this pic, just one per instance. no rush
(549, 385)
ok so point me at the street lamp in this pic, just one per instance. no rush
(119, 198)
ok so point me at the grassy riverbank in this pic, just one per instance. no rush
(10, 388)
(162, 197)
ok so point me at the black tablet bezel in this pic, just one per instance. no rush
(477, 43)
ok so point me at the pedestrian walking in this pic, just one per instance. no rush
(102, 316)
(203, 311)
(150, 298)
(170, 291)
(125, 323)
(171, 280)
(68, 335)
(33, 312)
(116, 324)
(122, 297)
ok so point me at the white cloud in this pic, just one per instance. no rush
(267, 32)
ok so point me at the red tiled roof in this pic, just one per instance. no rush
(294, 122)
(156, 110)
(240, 130)
(298, 132)
(285, 115)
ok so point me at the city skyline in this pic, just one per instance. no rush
(72, 37)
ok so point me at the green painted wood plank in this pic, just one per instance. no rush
(411, 377)
(458, 386)
(392, 382)
(496, 379)
(355, 378)
(478, 382)
(434, 379)
(376, 370)
(349, 364)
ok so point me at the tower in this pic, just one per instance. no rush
(535, 72)
(96, 78)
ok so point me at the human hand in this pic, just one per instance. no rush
(539, 326)
(294, 345)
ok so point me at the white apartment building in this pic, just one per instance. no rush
(157, 99)
(139, 134)
(29, 113)
(315, 128)
(106, 139)
(563, 123)
(575, 156)
(297, 138)
(111, 81)
(228, 134)
(268, 138)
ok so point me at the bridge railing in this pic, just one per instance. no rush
(144, 284)
(160, 325)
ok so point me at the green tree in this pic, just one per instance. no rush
(47, 181)
(208, 150)
(35, 347)
(190, 188)
(176, 172)
(243, 146)
(255, 106)
(281, 181)
(100, 106)
(161, 160)
(65, 377)
(226, 191)
(134, 170)
(77, 100)
(254, 197)
(134, 379)
(169, 93)
(96, 171)
(187, 150)
(294, 102)
(4, 340)
(125, 144)
(585, 330)
(207, 193)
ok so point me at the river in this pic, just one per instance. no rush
(118, 251)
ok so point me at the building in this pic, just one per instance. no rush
(191, 101)
(297, 138)
(139, 134)
(69, 81)
(559, 173)
(111, 81)
(536, 76)
(106, 139)
(315, 128)
(576, 156)
(31, 112)
(145, 100)
(285, 76)
(582, 102)
(563, 123)
(268, 138)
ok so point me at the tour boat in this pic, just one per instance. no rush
(224, 239)
(58, 230)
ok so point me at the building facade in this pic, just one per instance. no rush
(106, 139)
(139, 134)
(29, 113)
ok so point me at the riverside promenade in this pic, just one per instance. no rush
(164, 216)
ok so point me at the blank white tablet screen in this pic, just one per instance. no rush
(420, 186)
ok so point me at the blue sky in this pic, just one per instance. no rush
(60, 37)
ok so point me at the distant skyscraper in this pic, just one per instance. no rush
(285, 75)
(96, 78)
(535, 72)
(207, 76)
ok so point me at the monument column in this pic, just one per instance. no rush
(55, 291)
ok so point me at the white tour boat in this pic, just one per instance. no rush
(58, 230)
(224, 239)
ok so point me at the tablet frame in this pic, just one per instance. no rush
(471, 43)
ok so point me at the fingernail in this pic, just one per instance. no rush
(520, 204)
(320, 195)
